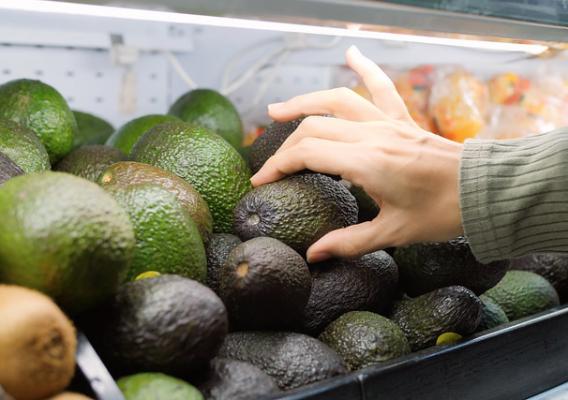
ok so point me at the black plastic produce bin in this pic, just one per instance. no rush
(514, 361)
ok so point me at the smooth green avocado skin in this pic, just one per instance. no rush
(363, 338)
(90, 161)
(492, 314)
(156, 386)
(42, 109)
(523, 293)
(204, 159)
(23, 147)
(64, 236)
(211, 110)
(91, 129)
(128, 134)
(167, 239)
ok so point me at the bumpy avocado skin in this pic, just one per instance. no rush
(523, 293)
(424, 318)
(89, 161)
(154, 385)
(428, 266)
(338, 286)
(291, 359)
(363, 338)
(8, 169)
(297, 210)
(91, 129)
(41, 108)
(265, 285)
(217, 250)
(492, 314)
(236, 380)
(204, 159)
(552, 266)
(23, 147)
(368, 208)
(266, 144)
(164, 324)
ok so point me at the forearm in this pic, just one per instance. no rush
(514, 195)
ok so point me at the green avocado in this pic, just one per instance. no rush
(211, 110)
(64, 236)
(128, 172)
(291, 359)
(297, 210)
(167, 239)
(91, 129)
(236, 380)
(427, 266)
(8, 169)
(363, 338)
(523, 293)
(156, 386)
(166, 324)
(23, 147)
(42, 109)
(214, 168)
(128, 134)
(552, 266)
(265, 285)
(424, 318)
(217, 250)
(89, 161)
(492, 314)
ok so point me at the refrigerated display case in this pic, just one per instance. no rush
(125, 59)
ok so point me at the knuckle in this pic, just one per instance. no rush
(309, 123)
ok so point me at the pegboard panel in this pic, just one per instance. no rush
(89, 81)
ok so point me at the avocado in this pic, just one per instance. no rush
(217, 251)
(89, 161)
(338, 286)
(245, 153)
(552, 266)
(211, 110)
(236, 380)
(23, 147)
(64, 236)
(523, 293)
(427, 266)
(265, 285)
(424, 318)
(156, 386)
(492, 314)
(8, 169)
(128, 134)
(363, 338)
(128, 172)
(291, 359)
(266, 144)
(37, 344)
(42, 109)
(167, 239)
(297, 210)
(91, 129)
(368, 208)
(166, 324)
(214, 168)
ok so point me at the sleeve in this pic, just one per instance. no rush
(514, 195)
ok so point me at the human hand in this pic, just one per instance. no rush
(412, 174)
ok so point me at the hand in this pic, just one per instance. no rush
(412, 174)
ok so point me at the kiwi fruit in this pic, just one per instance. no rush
(37, 344)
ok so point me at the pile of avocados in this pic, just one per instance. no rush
(190, 283)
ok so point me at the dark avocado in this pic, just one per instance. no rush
(291, 359)
(424, 318)
(297, 210)
(89, 161)
(427, 266)
(338, 286)
(552, 266)
(265, 285)
(266, 144)
(236, 380)
(492, 314)
(368, 208)
(8, 169)
(218, 249)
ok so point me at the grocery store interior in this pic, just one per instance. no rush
(133, 301)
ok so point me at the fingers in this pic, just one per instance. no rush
(315, 154)
(341, 103)
(383, 91)
(353, 241)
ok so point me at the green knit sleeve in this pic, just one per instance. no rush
(514, 195)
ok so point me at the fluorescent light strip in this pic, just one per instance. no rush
(180, 18)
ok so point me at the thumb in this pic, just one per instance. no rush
(352, 241)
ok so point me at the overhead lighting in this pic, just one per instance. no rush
(352, 30)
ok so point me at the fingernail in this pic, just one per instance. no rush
(275, 106)
(318, 257)
(354, 49)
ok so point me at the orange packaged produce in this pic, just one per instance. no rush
(414, 87)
